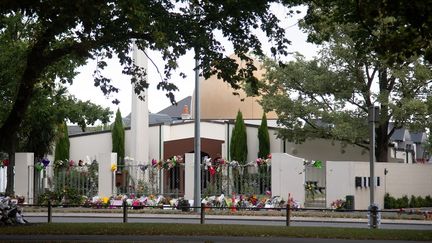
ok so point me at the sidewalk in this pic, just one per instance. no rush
(227, 217)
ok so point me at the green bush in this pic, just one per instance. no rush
(428, 201)
(403, 202)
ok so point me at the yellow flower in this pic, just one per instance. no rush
(113, 167)
(105, 200)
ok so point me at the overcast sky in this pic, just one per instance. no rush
(83, 86)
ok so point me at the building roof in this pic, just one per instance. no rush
(175, 111)
(153, 119)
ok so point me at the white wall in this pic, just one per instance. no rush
(287, 177)
(89, 145)
(407, 179)
(402, 179)
(3, 177)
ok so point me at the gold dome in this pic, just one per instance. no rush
(219, 102)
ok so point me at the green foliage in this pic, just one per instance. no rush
(238, 149)
(395, 32)
(263, 138)
(328, 97)
(403, 202)
(44, 41)
(62, 145)
(118, 138)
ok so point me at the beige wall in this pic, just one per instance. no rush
(402, 179)
(326, 150)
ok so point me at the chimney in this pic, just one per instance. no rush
(185, 114)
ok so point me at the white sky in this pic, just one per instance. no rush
(83, 85)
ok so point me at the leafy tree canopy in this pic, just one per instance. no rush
(393, 30)
(46, 40)
(329, 96)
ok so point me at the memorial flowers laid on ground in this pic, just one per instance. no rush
(231, 202)
(338, 204)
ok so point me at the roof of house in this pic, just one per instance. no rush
(175, 111)
(153, 119)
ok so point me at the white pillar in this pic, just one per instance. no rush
(288, 177)
(189, 176)
(106, 175)
(139, 117)
(24, 176)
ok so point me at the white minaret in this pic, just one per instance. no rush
(139, 118)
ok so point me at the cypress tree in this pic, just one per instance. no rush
(62, 145)
(118, 138)
(263, 138)
(238, 149)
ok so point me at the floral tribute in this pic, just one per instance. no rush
(231, 202)
(4, 163)
(216, 165)
(338, 204)
(167, 164)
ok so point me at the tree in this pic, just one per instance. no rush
(55, 37)
(238, 149)
(395, 30)
(49, 108)
(329, 97)
(263, 138)
(62, 145)
(118, 137)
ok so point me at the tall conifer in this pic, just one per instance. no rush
(263, 138)
(63, 144)
(238, 149)
(118, 138)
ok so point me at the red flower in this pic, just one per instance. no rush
(212, 170)
(6, 162)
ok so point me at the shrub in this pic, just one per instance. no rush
(414, 202)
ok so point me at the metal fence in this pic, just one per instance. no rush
(239, 180)
(60, 181)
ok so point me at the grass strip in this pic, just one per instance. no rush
(215, 230)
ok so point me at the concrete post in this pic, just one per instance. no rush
(24, 176)
(288, 177)
(139, 117)
(189, 176)
(106, 175)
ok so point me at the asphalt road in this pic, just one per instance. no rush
(163, 238)
(95, 219)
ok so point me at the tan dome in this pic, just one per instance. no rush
(219, 102)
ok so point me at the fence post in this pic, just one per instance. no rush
(202, 213)
(124, 211)
(288, 214)
(49, 211)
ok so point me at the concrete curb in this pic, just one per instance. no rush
(228, 217)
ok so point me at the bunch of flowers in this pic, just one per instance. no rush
(61, 164)
(338, 204)
(169, 163)
(4, 163)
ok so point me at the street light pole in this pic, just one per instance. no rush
(373, 118)
(197, 150)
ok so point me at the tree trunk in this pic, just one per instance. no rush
(382, 143)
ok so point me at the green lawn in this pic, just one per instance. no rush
(210, 230)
